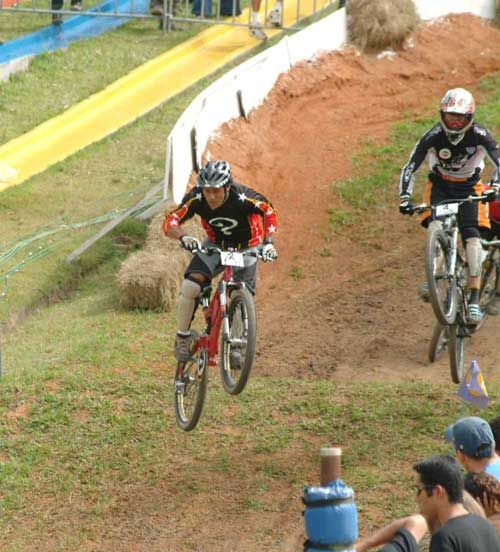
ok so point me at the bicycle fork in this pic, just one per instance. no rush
(453, 251)
(224, 313)
(235, 342)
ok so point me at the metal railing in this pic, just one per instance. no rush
(168, 12)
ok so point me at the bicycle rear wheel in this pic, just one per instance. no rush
(439, 342)
(489, 277)
(238, 349)
(456, 350)
(190, 388)
(442, 286)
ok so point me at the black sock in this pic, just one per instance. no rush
(474, 296)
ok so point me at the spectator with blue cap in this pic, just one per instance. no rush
(474, 445)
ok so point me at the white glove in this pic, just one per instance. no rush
(269, 253)
(189, 243)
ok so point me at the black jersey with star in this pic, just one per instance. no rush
(242, 221)
(461, 163)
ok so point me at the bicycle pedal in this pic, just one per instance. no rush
(179, 386)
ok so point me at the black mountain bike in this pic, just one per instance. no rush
(490, 274)
(446, 273)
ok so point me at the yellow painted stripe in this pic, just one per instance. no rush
(130, 97)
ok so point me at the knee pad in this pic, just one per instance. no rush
(474, 252)
(187, 303)
(190, 289)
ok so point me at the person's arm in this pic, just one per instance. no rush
(417, 157)
(177, 216)
(257, 203)
(415, 524)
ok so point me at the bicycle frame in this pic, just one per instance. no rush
(215, 315)
(449, 224)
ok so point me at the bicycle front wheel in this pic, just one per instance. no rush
(456, 350)
(442, 285)
(238, 348)
(190, 388)
(439, 342)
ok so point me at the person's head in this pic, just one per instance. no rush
(495, 429)
(214, 179)
(485, 488)
(472, 439)
(439, 484)
(457, 113)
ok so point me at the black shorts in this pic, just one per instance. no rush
(403, 541)
(210, 266)
(471, 216)
(492, 233)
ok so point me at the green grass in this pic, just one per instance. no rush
(95, 419)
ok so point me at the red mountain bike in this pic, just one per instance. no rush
(231, 308)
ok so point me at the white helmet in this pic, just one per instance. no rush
(457, 101)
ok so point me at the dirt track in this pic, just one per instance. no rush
(355, 312)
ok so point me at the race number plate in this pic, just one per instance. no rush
(231, 258)
(445, 210)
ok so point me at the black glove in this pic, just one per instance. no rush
(189, 243)
(405, 205)
(493, 192)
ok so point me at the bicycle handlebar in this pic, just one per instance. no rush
(492, 243)
(211, 250)
(471, 199)
(245, 252)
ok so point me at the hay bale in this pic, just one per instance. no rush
(150, 279)
(380, 24)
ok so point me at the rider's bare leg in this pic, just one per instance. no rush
(474, 252)
(190, 289)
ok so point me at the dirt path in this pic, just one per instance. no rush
(354, 313)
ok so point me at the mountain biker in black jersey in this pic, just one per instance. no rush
(455, 148)
(234, 217)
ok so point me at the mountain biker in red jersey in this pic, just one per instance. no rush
(234, 217)
(455, 148)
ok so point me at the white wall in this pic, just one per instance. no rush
(245, 87)
(430, 9)
(238, 92)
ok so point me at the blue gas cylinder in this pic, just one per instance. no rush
(331, 517)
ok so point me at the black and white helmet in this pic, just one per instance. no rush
(215, 174)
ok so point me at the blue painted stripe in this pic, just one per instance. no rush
(74, 28)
